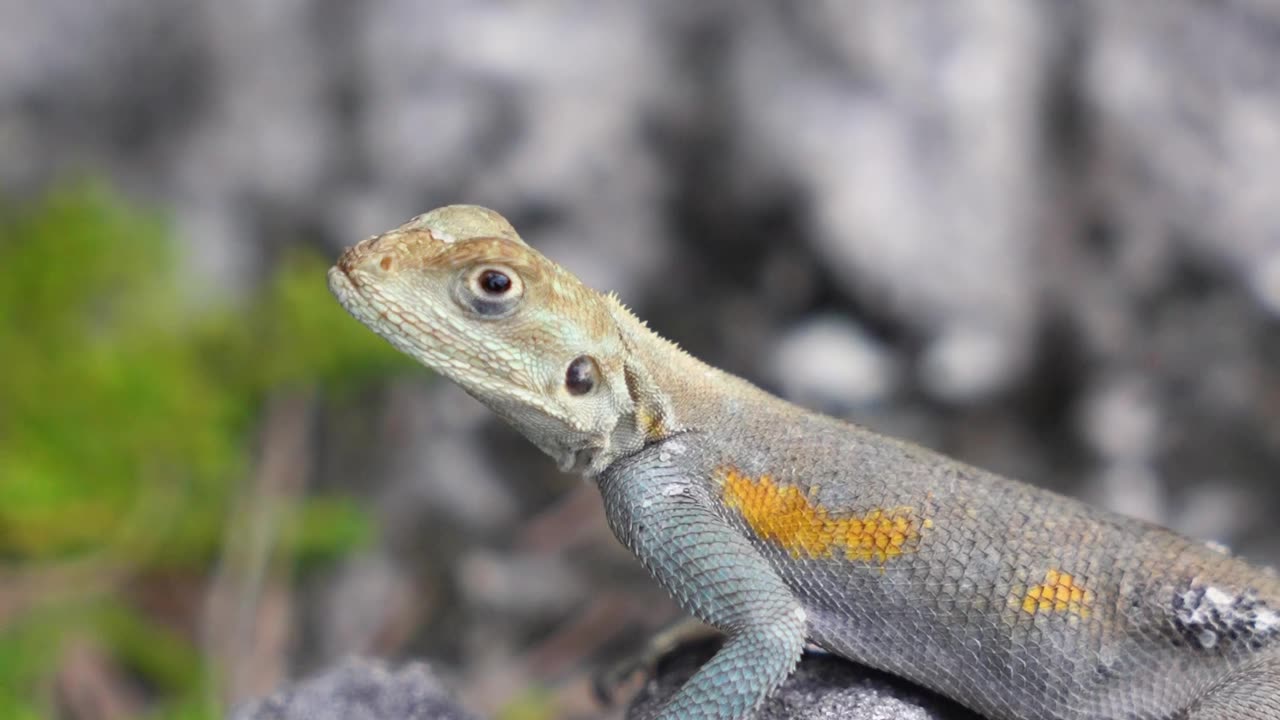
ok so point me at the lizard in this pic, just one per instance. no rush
(784, 527)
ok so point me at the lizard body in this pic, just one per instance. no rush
(781, 526)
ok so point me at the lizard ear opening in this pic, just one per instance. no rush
(582, 375)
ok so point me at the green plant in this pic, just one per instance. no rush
(126, 414)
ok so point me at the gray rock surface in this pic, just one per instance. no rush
(823, 687)
(360, 690)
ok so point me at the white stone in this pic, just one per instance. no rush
(830, 361)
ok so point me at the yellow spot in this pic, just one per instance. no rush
(788, 516)
(653, 424)
(1059, 593)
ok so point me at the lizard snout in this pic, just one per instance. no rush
(356, 255)
(373, 255)
(386, 253)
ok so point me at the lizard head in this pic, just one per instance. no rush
(459, 291)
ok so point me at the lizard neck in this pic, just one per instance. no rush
(672, 391)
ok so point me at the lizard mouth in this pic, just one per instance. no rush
(350, 259)
(340, 273)
(340, 279)
(348, 290)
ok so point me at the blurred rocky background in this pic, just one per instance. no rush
(1041, 236)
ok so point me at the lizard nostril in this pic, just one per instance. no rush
(385, 262)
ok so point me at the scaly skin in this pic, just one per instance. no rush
(779, 525)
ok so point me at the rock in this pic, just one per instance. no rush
(831, 364)
(823, 687)
(905, 129)
(360, 690)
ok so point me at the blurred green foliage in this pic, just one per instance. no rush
(534, 703)
(127, 414)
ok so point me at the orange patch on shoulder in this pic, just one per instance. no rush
(1059, 593)
(653, 424)
(786, 515)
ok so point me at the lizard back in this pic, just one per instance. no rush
(1015, 600)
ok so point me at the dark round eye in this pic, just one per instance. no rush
(494, 282)
(489, 291)
(580, 378)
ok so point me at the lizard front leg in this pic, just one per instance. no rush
(1251, 693)
(665, 515)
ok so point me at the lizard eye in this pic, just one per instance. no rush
(580, 378)
(490, 291)
(494, 282)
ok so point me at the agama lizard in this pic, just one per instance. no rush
(781, 526)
